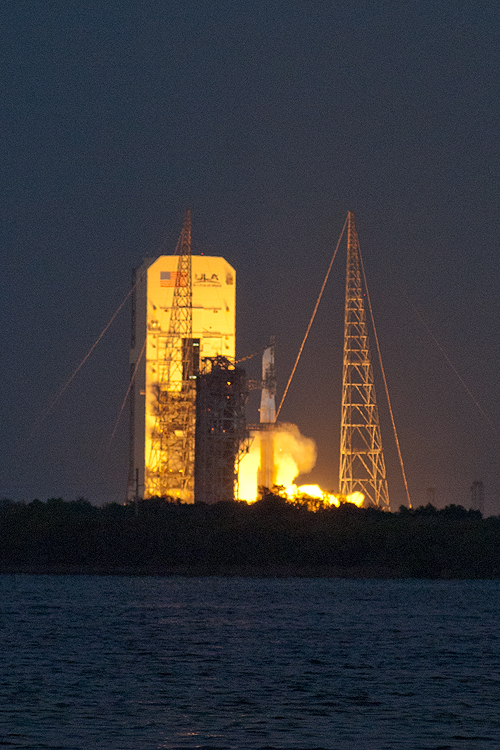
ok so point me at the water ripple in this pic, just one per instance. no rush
(149, 663)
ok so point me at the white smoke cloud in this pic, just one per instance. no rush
(294, 454)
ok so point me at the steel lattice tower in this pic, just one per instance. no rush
(171, 463)
(362, 465)
(221, 431)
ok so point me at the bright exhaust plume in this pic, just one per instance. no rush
(292, 454)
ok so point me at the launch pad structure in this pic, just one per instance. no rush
(187, 405)
(362, 464)
(183, 310)
(221, 436)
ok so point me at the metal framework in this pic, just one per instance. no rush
(221, 432)
(171, 463)
(362, 465)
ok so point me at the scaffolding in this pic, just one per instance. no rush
(362, 465)
(221, 432)
(171, 461)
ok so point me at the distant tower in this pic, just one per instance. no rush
(184, 310)
(362, 465)
(477, 496)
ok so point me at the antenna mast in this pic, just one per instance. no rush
(362, 465)
(171, 464)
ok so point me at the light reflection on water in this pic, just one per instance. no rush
(137, 662)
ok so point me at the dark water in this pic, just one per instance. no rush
(136, 663)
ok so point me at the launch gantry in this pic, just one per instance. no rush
(362, 465)
(171, 462)
(183, 310)
(222, 437)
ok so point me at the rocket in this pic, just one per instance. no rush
(267, 472)
(268, 395)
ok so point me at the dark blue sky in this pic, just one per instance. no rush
(270, 120)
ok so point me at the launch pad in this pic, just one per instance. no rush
(188, 431)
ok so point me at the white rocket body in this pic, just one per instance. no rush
(267, 472)
(268, 399)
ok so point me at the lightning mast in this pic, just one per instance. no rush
(362, 465)
(171, 463)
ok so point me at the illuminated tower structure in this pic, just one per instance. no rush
(184, 309)
(221, 431)
(171, 457)
(362, 465)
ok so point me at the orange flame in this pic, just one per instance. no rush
(293, 454)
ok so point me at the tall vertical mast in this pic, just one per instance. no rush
(362, 465)
(171, 464)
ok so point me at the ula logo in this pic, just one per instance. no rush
(203, 278)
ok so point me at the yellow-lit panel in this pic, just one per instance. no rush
(213, 303)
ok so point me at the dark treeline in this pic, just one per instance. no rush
(270, 537)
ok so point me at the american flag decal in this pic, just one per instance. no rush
(173, 278)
